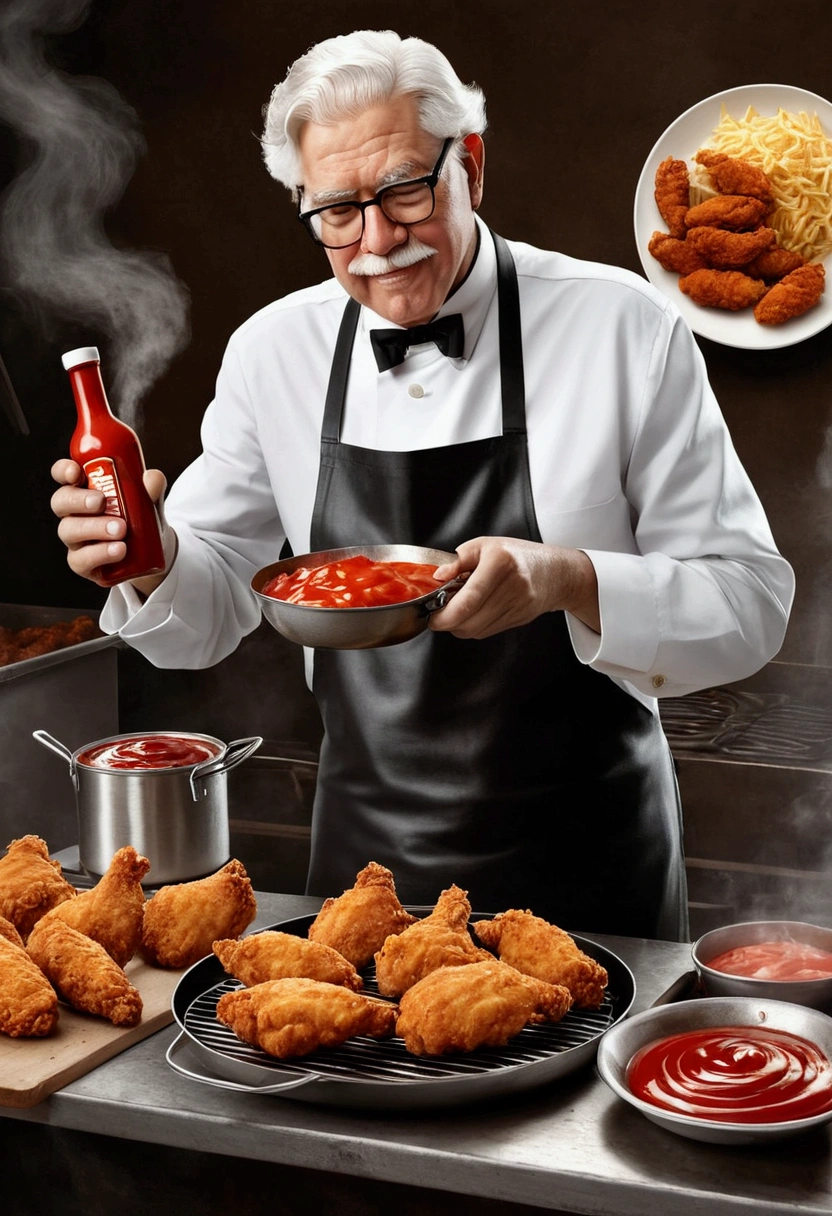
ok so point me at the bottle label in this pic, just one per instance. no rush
(101, 475)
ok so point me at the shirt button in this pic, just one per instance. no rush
(659, 681)
(416, 390)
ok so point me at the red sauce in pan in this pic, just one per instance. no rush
(781, 960)
(356, 582)
(734, 1074)
(149, 751)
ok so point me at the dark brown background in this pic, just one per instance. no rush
(577, 96)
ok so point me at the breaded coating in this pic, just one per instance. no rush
(729, 289)
(722, 249)
(675, 254)
(182, 921)
(795, 294)
(111, 912)
(439, 940)
(739, 212)
(28, 1003)
(8, 931)
(83, 973)
(731, 175)
(271, 955)
(538, 948)
(30, 883)
(293, 1017)
(672, 194)
(484, 1005)
(358, 923)
(774, 263)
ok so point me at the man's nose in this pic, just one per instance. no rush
(380, 233)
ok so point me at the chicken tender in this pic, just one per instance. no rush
(439, 940)
(271, 955)
(293, 1017)
(732, 175)
(484, 1005)
(538, 948)
(729, 289)
(28, 1003)
(672, 194)
(83, 973)
(774, 263)
(30, 883)
(357, 923)
(111, 912)
(675, 254)
(735, 211)
(721, 249)
(182, 921)
(795, 294)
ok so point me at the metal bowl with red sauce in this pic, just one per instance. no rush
(782, 960)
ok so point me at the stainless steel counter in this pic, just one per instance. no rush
(570, 1146)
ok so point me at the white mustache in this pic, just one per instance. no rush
(406, 255)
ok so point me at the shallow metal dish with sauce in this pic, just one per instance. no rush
(353, 628)
(621, 1042)
(815, 993)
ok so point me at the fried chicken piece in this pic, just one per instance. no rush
(28, 1003)
(83, 973)
(357, 923)
(672, 194)
(773, 264)
(735, 211)
(722, 249)
(30, 883)
(675, 254)
(8, 931)
(270, 955)
(182, 921)
(111, 912)
(538, 948)
(795, 294)
(722, 289)
(439, 940)
(293, 1017)
(732, 175)
(484, 1005)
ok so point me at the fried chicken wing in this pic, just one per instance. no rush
(483, 1005)
(537, 948)
(83, 973)
(271, 955)
(732, 175)
(735, 211)
(439, 940)
(729, 289)
(675, 254)
(672, 194)
(722, 249)
(182, 921)
(28, 1003)
(30, 883)
(293, 1017)
(774, 263)
(111, 912)
(795, 294)
(357, 923)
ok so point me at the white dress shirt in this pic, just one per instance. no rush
(629, 455)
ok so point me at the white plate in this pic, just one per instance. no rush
(681, 140)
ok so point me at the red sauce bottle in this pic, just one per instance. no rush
(110, 454)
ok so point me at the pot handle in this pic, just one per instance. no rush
(181, 1041)
(234, 754)
(60, 749)
(440, 599)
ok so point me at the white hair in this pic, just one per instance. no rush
(343, 76)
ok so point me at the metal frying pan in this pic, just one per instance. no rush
(381, 1074)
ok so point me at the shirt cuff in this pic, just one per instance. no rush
(629, 637)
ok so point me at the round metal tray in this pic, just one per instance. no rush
(381, 1074)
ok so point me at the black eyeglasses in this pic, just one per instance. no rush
(338, 225)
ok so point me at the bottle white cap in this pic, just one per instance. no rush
(83, 354)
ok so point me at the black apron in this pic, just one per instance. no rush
(503, 765)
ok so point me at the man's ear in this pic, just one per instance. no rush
(474, 165)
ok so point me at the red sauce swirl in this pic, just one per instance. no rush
(734, 1074)
(777, 960)
(355, 582)
(149, 751)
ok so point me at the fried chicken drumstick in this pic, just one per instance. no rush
(28, 1003)
(30, 883)
(83, 973)
(357, 923)
(439, 940)
(538, 948)
(111, 912)
(271, 955)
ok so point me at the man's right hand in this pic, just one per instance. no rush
(94, 539)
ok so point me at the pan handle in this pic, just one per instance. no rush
(177, 1066)
(441, 597)
(234, 754)
(60, 749)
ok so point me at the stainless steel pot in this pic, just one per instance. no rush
(175, 817)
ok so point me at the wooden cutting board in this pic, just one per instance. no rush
(31, 1069)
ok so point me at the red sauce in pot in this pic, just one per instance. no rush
(149, 751)
(356, 582)
(734, 1074)
(779, 960)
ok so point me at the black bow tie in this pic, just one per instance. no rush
(391, 345)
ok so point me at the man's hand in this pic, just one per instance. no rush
(94, 539)
(511, 582)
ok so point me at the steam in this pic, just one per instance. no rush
(82, 142)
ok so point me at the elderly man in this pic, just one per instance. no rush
(550, 420)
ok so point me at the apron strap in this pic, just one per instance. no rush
(337, 387)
